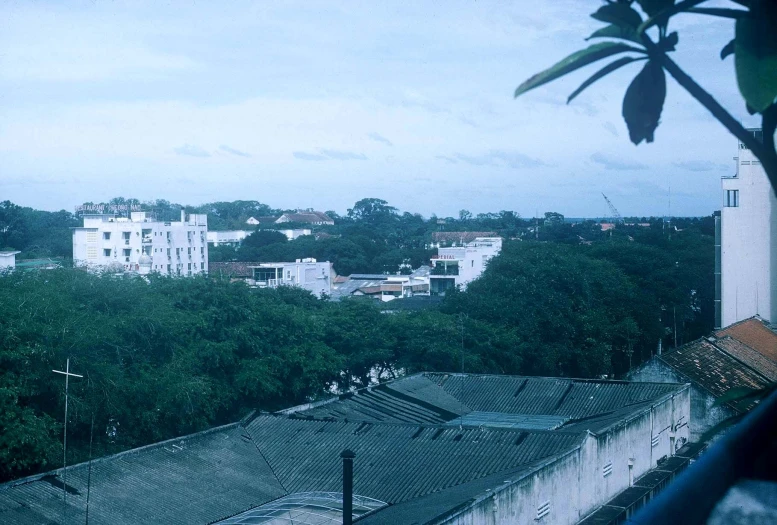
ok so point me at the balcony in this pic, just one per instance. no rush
(442, 269)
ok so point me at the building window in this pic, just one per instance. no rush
(202, 266)
(91, 252)
(107, 236)
(107, 252)
(607, 469)
(190, 267)
(125, 235)
(127, 252)
(732, 199)
(91, 236)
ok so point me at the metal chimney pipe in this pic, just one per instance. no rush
(347, 456)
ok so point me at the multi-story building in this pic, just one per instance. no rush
(457, 266)
(309, 274)
(747, 240)
(143, 245)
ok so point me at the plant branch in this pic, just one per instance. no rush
(767, 157)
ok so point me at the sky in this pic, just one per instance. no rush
(319, 104)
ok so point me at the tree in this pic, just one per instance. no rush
(647, 39)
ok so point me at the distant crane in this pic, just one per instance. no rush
(613, 210)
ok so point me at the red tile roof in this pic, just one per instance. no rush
(711, 368)
(754, 333)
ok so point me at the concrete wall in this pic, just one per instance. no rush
(748, 244)
(703, 414)
(575, 484)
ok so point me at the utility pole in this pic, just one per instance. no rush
(67, 375)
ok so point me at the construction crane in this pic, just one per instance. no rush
(613, 210)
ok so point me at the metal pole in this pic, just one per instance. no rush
(67, 375)
(347, 456)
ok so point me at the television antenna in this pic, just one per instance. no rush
(67, 375)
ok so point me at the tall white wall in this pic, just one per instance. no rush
(117, 244)
(575, 484)
(748, 244)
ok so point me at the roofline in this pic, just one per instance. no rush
(716, 347)
(536, 467)
(36, 477)
(756, 317)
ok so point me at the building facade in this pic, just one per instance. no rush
(457, 266)
(748, 243)
(309, 274)
(143, 245)
(235, 237)
(8, 260)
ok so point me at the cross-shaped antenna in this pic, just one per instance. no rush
(67, 375)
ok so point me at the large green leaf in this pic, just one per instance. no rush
(653, 7)
(616, 31)
(574, 61)
(606, 70)
(644, 102)
(756, 56)
(618, 14)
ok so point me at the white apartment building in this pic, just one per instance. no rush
(747, 243)
(458, 266)
(316, 277)
(143, 245)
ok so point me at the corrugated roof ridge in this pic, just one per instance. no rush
(119, 455)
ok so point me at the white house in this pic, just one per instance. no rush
(234, 237)
(748, 243)
(458, 266)
(308, 217)
(141, 244)
(7, 260)
(309, 274)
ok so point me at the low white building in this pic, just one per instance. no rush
(235, 237)
(316, 277)
(747, 243)
(143, 245)
(7, 260)
(457, 266)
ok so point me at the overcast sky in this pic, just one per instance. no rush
(319, 104)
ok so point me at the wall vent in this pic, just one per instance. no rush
(607, 469)
(543, 510)
(654, 442)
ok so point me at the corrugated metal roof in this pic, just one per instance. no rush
(395, 463)
(195, 479)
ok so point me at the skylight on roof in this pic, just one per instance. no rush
(504, 420)
(304, 508)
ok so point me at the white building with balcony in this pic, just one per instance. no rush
(143, 245)
(316, 277)
(747, 241)
(235, 237)
(457, 266)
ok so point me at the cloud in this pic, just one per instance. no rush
(234, 151)
(301, 155)
(379, 138)
(498, 158)
(343, 155)
(700, 165)
(447, 159)
(191, 151)
(609, 126)
(610, 163)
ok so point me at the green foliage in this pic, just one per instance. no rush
(755, 51)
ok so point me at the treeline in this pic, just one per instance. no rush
(165, 357)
